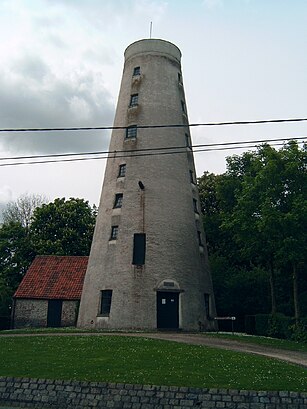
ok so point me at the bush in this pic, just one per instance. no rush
(250, 324)
(262, 324)
(276, 326)
(279, 326)
(299, 331)
(5, 322)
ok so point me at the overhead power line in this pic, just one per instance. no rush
(93, 128)
(126, 151)
(135, 153)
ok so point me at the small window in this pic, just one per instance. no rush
(118, 202)
(122, 170)
(137, 71)
(105, 302)
(199, 238)
(179, 78)
(192, 177)
(114, 233)
(187, 141)
(207, 305)
(131, 132)
(183, 107)
(134, 100)
(195, 206)
(139, 249)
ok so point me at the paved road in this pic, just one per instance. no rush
(295, 357)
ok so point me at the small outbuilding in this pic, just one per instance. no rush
(50, 292)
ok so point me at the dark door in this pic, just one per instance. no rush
(167, 310)
(54, 313)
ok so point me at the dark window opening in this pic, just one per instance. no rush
(134, 100)
(114, 233)
(179, 78)
(122, 170)
(183, 107)
(118, 202)
(131, 132)
(192, 177)
(187, 141)
(139, 249)
(195, 206)
(199, 238)
(136, 71)
(105, 303)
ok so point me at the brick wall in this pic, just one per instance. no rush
(30, 313)
(56, 394)
(33, 313)
(69, 313)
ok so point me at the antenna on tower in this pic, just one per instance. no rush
(150, 30)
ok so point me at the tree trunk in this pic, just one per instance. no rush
(295, 293)
(272, 286)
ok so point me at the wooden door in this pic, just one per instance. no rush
(54, 313)
(167, 310)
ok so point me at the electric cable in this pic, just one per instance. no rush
(115, 155)
(92, 128)
(153, 149)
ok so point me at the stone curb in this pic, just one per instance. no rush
(59, 394)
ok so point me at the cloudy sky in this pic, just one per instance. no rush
(61, 63)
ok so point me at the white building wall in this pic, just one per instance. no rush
(164, 210)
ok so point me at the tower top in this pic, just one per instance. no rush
(153, 45)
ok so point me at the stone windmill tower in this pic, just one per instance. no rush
(148, 264)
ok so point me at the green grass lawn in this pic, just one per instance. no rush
(250, 339)
(144, 361)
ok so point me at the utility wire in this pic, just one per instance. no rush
(92, 128)
(115, 155)
(55, 155)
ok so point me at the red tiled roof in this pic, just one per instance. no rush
(54, 277)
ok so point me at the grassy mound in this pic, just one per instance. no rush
(144, 361)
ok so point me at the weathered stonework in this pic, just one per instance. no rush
(30, 313)
(57, 394)
(166, 209)
(70, 310)
(33, 313)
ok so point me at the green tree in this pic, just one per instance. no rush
(211, 209)
(267, 219)
(21, 210)
(63, 227)
(16, 254)
(255, 221)
(292, 249)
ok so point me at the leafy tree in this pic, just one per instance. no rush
(270, 210)
(292, 249)
(211, 209)
(16, 254)
(255, 222)
(63, 227)
(217, 200)
(21, 210)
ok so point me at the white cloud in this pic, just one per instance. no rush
(51, 76)
(6, 194)
(61, 63)
(40, 98)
